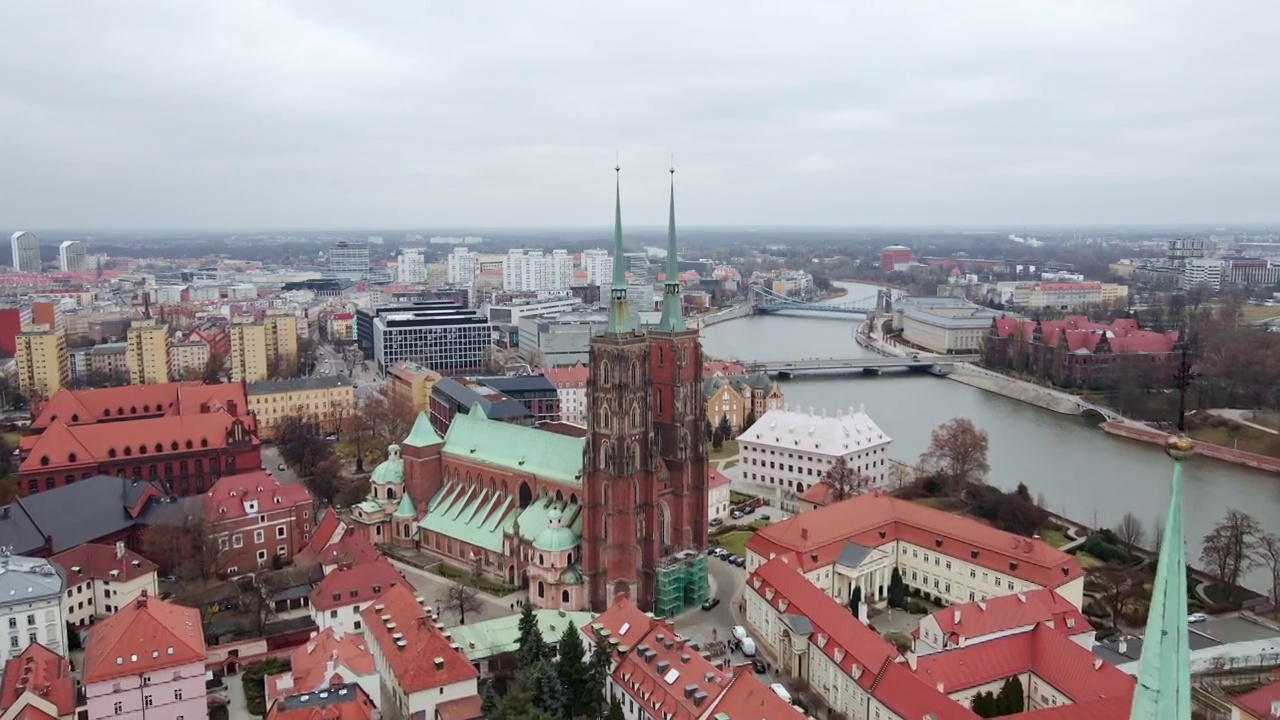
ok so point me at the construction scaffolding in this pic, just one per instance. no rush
(681, 583)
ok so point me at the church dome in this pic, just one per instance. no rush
(570, 576)
(391, 470)
(556, 537)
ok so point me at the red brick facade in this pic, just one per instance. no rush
(254, 518)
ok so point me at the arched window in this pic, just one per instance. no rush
(111, 452)
(573, 498)
(75, 417)
(133, 409)
(71, 457)
(44, 459)
(660, 355)
(559, 496)
(604, 374)
(159, 448)
(204, 443)
(391, 494)
(659, 407)
(142, 449)
(189, 443)
(173, 446)
(542, 591)
(564, 596)
(106, 412)
(541, 560)
(128, 451)
(635, 373)
(146, 408)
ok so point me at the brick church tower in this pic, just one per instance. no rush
(646, 481)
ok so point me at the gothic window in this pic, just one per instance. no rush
(635, 416)
(635, 373)
(604, 374)
(659, 407)
(660, 355)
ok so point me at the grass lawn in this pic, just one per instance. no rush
(1246, 438)
(737, 498)
(1087, 561)
(1056, 538)
(484, 584)
(727, 450)
(11, 438)
(735, 542)
(1259, 312)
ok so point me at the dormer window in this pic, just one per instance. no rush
(142, 449)
(75, 417)
(159, 448)
(111, 452)
(146, 408)
(204, 443)
(71, 457)
(44, 459)
(133, 409)
(120, 411)
(106, 412)
(189, 443)
(173, 446)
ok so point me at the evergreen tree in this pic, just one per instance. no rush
(855, 597)
(531, 648)
(1010, 700)
(572, 669)
(983, 705)
(544, 686)
(897, 589)
(489, 704)
(750, 419)
(726, 430)
(706, 428)
(597, 677)
(518, 704)
(615, 710)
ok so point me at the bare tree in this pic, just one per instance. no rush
(462, 599)
(842, 482)
(185, 546)
(256, 599)
(1231, 547)
(1269, 555)
(957, 453)
(1116, 589)
(1130, 530)
(1157, 535)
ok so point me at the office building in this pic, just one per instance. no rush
(943, 324)
(519, 400)
(72, 256)
(42, 361)
(1185, 248)
(324, 403)
(349, 259)
(147, 358)
(364, 318)
(26, 251)
(599, 266)
(1203, 271)
(1255, 271)
(450, 340)
(513, 312)
(463, 265)
(637, 266)
(31, 604)
(411, 268)
(248, 356)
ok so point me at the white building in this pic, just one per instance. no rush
(571, 388)
(463, 266)
(786, 451)
(346, 590)
(943, 324)
(26, 251)
(31, 604)
(72, 256)
(561, 269)
(534, 271)
(349, 259)
(717, 495)
(513, 312)
(1203, 271)
(599, 266)
(411, 266)
(101, 579)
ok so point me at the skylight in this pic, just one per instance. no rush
(671, 676)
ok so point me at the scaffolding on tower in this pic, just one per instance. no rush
(681, 580)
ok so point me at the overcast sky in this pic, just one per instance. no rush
(406, 113)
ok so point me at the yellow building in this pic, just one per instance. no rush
(281, 339)
(1114, 292)
(342, 327)
(187, 360)
(248, 358)
(323, 402)
(148, 354)
(410, 384)
(738, 396)
(42, 360)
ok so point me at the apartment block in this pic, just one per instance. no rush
(323, 402)
(248, 356)
(42, 360)
(254, 517)
(281, 337)
(148, 355)
(187, 360)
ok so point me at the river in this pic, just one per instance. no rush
(1081, 472)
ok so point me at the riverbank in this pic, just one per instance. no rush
(1014, 389)
(1152, 436)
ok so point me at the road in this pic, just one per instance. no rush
(364, 375)
(271, 461)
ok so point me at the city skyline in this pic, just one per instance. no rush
(304, 115)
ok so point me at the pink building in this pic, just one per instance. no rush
(146, 661)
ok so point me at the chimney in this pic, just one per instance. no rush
(1022, 598)
(141, 602)
(119, 549)
(982, 605)
(940, 687)
(1097, 663)
(1275, 708)
(911, 661)
(804, 533)
(439, 662)
(1027, 545)
(956, 617)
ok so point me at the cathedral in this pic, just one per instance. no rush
(579, 521)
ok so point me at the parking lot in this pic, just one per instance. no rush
(1233, 628)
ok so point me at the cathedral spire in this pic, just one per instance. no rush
(672, 314)
(1164, 672)
(619, 313)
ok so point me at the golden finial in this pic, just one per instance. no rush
(1178, 446)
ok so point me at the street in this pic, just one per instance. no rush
(330, 361)
(271, 462)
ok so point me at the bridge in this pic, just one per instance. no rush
(764, 300)
(935, 364)
(1107, 413)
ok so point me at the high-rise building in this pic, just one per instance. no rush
(535, 271)
(452, 340)
(248, 357)
(560, 269)
(26, 251)
(42, 360)
(463, 266)
(188, 360)
(638, 265)
(1203, 271)
(349, 259)
(148, 354)
(72, 256)
(599, 266)
(893, 256)
(281, 338)
(642, 530)
(412, 268)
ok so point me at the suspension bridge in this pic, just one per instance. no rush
(764, 301)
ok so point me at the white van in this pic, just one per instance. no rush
(748, 647)
(780, 691)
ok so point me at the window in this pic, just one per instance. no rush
(258, 536)
(280, 531)
(262, 556)
(13, 623)
(333, 614)
(31, 620)
(13, 641)
(237, 540)
(146, 701)
(177, 694)
(119, 707)
(222, 543)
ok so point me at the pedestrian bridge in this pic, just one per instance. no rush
(764, 300)
(1107, 413)
(936, 364)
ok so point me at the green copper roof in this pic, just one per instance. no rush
(571, 575)
(1164, 670)
(554, 537)
(370, 506)
(405, 509)
(487, 638)
(619, 314)
(422, 434)
(547, 455)
(468, 514)
(672, 312)
(391, 470)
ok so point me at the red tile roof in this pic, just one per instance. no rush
(748, 698)
(310, 668)
(31, 712)
(722, 367)
(426, 660)
(41, 671)
(352, 549)
(836, 633)
(817, 494)
(567, 377)
(1113, 708)
(1123, 334)
(716, 479)
(897, 689)
(76, 407)
(874, 519)
(668, 679)
(463, 708)
(81, 445)
(349, 585)
(347, 702)
(328, 526)
(622, 620)
(94, 561)
(1006, 612)
(229, 497)
(144, 636)
(1258, 703)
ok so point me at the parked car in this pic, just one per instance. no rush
(765, 516)
(749, 510)
(736, 515)
(759, 666)
(739, 561)
(1194, 618)
(710, 603)
(748, 647)
(715, 522)
(712, 550)
(739, 632)
(281, 467)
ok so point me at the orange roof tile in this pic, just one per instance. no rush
(874, 519)
(425, 659)
(566, 377)
(41, 671)
(310, 663)
(722, 367)
(95, 561)
(61, 446)
(31, 712)
(344, 702)
(144, 636)
(667, 678)
(352, 549)
(463, 708)
(748, 698)
(897, 689)
(1258, 703)
(1006, 612)
(229, 497)
(716, 479)
(349, 585)
(75, 407)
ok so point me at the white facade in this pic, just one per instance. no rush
(342, 619)
(31, 604)
(1203, 271)
(561, 266)
(408, 705)
(411, 266)
(599, 266)
(89, 599)
(72, 256)
(463, 266)
(786, 451)
(534, 271)
(718, 501)
(26, 251)
(512, 313)
(349, 259)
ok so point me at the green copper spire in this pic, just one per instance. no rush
(1164, 671)
(672, 314)
(619, 313)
